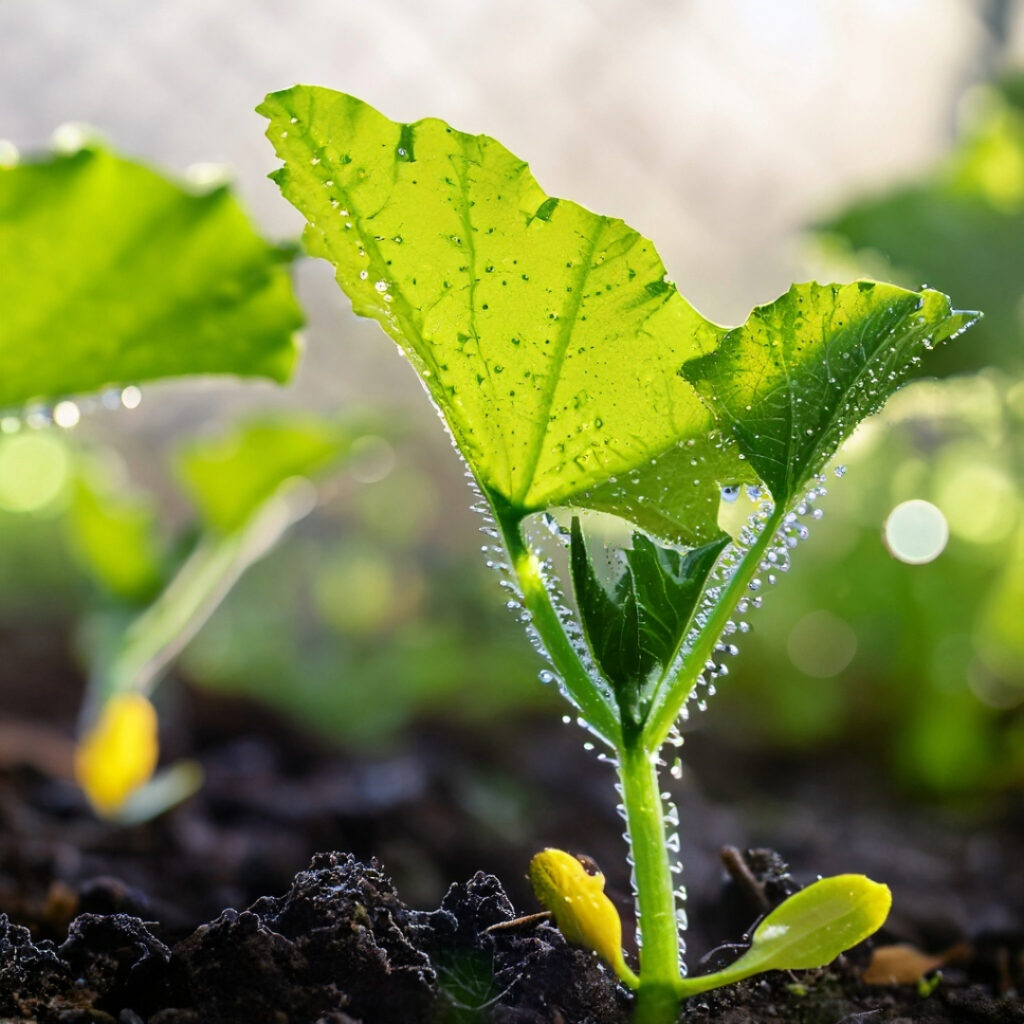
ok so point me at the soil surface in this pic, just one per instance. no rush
(225, 911)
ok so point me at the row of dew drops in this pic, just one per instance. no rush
(67, 413)
(792, 530)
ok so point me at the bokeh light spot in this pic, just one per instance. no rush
(821, 645)
(34, 470)
(916, 532)
(979, 501)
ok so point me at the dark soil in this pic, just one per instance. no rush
(104, 924)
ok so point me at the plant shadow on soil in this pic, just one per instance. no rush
(102, 924)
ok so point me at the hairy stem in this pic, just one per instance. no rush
(658, 993)
(582, 690)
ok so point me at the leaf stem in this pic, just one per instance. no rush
(670, 701)
(658, 993)
(593, 706)
(155, 637)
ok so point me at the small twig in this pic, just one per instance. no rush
(740, 873)
(544, 915)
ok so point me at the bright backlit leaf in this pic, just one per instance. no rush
(114, 275)
(548, 335)
(809, 929)
(792, 383)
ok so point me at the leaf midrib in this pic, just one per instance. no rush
(558, 358)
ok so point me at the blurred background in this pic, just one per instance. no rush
(758, 144)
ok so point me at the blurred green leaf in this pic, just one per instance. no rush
(795, 380)
(960, 229)
(114, 536)
(933, 686)
(228, 477)
(114, 275)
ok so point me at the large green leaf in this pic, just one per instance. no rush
(638, 622)
(112, 275)
(793, 382)
(548, 335)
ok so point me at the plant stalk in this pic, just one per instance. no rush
(551, 631)
(657, 998)
(158, 634)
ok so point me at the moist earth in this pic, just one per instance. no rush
(106, 924)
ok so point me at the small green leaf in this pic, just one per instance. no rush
(114, 535)
(114, 275)
(230, 476)
(610, 623)
(668, 584)
(793, 382)
(548, 335)
(808, 930)
(639, 623)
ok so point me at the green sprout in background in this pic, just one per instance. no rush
(573, 376)
(130, 277)
(249, 487)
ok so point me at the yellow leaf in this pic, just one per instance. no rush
(119, 753)
(582, 911)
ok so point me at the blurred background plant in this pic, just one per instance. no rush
(923, 665)
(376, 612)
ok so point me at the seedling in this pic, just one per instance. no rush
(249, 485)
(115, 275)
(572, 375)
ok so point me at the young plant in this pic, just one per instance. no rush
(249, 485)
(572, 375)
(114, 275)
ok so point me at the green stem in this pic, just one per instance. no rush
(669, 702)
(592, 704)
(658, 992)
(156, 636)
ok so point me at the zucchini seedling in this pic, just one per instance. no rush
(574, 377)
(115, 275)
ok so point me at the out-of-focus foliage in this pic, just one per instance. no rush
(249, 486)
(359, 621)
(113, 275)
(961, 230)
(229, 477)
(923, 664)
(114, 532)
(356, 639)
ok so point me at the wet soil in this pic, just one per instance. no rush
(228, 910)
